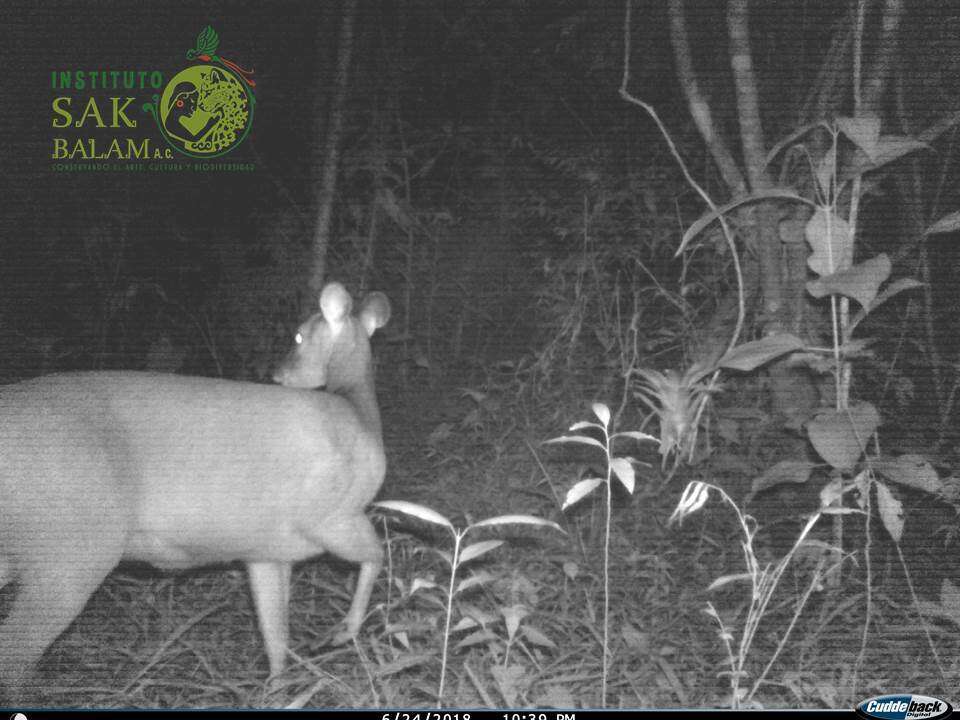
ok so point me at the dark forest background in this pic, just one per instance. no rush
(498, 180)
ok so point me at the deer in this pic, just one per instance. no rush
(182, 472)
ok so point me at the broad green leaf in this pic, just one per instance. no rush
(415, 510)
(840, 437)
(893, 147)
(860, 282)
(910, 470)
(862, 131)
(752, 355)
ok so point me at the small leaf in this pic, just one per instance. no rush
(402, 637)
(583, 439)
(512, 617)
(421, 584)
(517, 520)
(860, 282)
(585, 424)
(891, 512)
(831, 495)
(476, 395)
(857, 348)
(581, 490)
(623, 470)
(536, 637)
(481, 637)
(603, 413)
(444, 555)
(415, 510)
(636, 435)
(476, 579)
(947, 224)
(727, 579)
(474, 551)
(751, 355)
(465, 623)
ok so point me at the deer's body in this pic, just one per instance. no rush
(182, 472)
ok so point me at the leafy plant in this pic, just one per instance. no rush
(622, 469)
(461, 555)
(763, 579)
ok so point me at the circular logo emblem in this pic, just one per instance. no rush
(205, 110)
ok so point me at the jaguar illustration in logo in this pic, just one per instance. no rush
(206, 109)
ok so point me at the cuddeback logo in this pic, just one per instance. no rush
(904, 707)
(206, 109)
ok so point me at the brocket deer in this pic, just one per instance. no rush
(180, 472)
